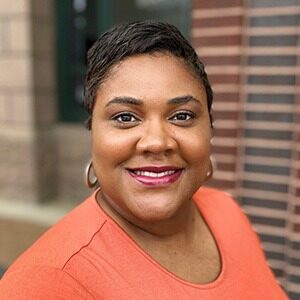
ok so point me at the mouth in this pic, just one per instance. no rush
(156, 176)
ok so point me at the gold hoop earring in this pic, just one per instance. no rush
(212, 168)
(90, 183)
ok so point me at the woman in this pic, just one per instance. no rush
(150, 231)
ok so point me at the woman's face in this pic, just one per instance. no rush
(150, 137)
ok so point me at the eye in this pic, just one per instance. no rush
(125, 118)
(182, 116)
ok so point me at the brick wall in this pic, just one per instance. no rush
(251, 50)
(27, 114)
(217, 36)
(27, 99)
(16, 73)
(292, 269)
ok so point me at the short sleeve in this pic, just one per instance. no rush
(40, 283)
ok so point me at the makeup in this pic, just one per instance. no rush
(155, 176)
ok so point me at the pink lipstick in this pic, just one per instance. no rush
(156, 176)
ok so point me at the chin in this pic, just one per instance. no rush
(156, 213)
(154, 216)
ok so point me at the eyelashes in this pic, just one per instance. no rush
(125, 120)
(125, 117)
(182, 116)
(129, 119)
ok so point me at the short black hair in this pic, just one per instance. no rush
(141, 37)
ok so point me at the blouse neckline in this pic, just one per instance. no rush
(158, 266)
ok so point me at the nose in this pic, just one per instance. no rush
(156, 138)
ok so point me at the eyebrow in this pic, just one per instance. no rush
(183, 100)
(125, 100)
(138, 102)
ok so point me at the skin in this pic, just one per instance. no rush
(156, 131)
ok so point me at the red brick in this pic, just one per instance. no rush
(221, 60)
(296, 228)
(221, 184)
(216, 3)
(212, 41)
(221, 132)
(226, 166)
(227, 97)
(217, 22)
(224, 150)
(225, 78)
(225, 115)
(297, 210)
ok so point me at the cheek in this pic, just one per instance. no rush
(110, 148)
(197, 152)
(196, 148)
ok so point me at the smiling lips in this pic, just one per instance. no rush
(156, 176)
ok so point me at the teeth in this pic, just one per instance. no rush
(153, 174)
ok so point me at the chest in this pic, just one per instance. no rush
(200, 264)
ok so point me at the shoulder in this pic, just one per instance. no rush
(41, 282)
(75, 231)
(213, 198)
(225, 215)
(220, 207)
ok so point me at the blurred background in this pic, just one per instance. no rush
(252, 54)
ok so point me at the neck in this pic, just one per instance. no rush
(180, 225)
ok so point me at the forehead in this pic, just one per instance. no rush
(157, 62)
(155, 75)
